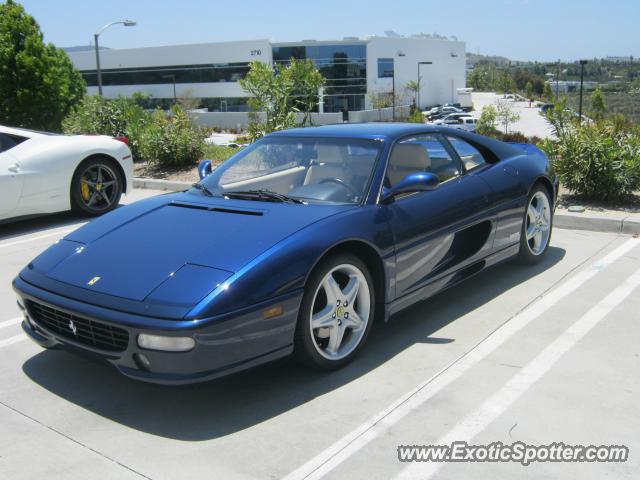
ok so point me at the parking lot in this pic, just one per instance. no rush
(541, 354)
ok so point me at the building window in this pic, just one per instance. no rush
(385, 67)
(211, 73)
(343, 65)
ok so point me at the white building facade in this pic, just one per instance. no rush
(356, 70)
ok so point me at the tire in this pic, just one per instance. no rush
(537, 225)
(346, 325)
(96, 186)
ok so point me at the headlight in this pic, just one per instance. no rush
(167, 344)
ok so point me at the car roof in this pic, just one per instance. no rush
(362, 130)
(22, 132)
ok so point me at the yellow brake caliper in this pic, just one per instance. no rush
(84, 190)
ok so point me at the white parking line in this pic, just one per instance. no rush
(362, 435)
(12, 340)
(8, 323)
(31, 239)
(497, 403)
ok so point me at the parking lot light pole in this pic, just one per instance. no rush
(582, 64)
(418, 92)
(126, 23)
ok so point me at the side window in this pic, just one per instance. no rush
(469, 154)
(423, 153)
(6, 142)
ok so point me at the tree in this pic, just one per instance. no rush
(547, 93)
(598, 104)
(505, 114)
(38, 83)
(280, 92)
(412, 87)
(529, 90)
(307, 80)
(487, 122)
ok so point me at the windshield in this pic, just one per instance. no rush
(331, 170)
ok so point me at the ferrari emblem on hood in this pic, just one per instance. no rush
(93, 281)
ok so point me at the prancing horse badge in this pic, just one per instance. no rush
(93, 281)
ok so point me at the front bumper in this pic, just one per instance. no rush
(224, 344)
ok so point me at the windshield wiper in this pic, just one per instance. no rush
(203, 189)
(267, 195)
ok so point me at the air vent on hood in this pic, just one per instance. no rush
(239, 212)
(236, 211)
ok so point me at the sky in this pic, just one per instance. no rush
(543, 30)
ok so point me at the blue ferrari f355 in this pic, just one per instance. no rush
(295, 245)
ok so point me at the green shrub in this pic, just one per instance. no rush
(101, 116)
(600, 161)
(171, 140)
(219, 153)
(416, 116)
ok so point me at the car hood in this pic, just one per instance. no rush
(173, 248)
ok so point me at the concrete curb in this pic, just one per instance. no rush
(618, 222)
(155, 184)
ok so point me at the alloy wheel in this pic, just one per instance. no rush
(340, 312)
(538, 223)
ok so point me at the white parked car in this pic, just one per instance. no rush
(451, 119)
(46, 173)
(465, 123)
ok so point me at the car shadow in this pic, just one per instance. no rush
(225, 406)
(40, 223)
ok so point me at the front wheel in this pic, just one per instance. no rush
(96, 186)
(336, 314)
(536, 226)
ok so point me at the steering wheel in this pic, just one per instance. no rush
(351, 190)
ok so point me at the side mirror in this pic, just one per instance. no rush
(204, 168)
(414, 182)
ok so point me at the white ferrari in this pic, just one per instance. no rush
(45, 173)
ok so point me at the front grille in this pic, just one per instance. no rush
(88, 332)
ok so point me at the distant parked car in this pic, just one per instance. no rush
(465, 123)
(45, 173)
(443, 112)
(451, 119)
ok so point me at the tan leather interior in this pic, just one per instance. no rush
(407, 158)
(329, 164)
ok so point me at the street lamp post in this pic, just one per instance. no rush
(557, 80)
(126, 23)
(393, 86)
(418, 92)
(582, 64)
(393, 91)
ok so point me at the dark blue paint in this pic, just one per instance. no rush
(208, 267)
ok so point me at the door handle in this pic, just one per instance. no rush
(15, 168)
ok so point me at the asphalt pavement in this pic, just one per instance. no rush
(540, 354)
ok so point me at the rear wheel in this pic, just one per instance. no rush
(336, 314)
(96, 186)
(536, 226)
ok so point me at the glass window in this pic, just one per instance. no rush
(385, 67)
(6, 142)
(470, 156)
(344, 66)
(218, 72)
(310, 169)
(423, 153)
